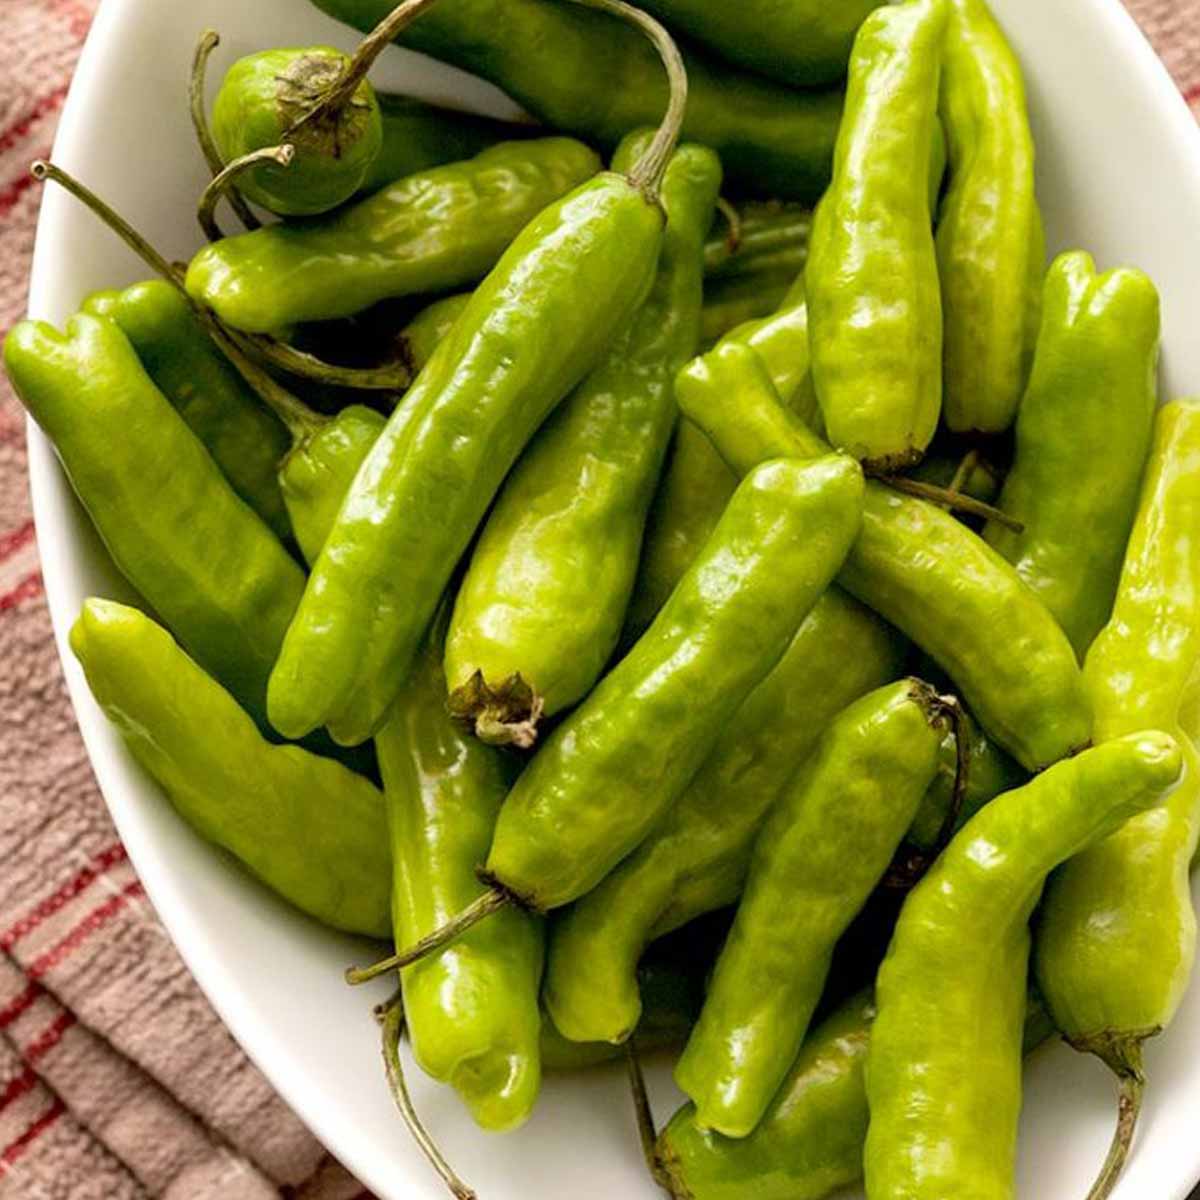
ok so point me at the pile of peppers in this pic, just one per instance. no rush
(681, 568)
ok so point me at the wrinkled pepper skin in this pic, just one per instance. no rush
(245, 440)
(1117, 939)
(434, 231)
(810, 1143)
(622, 758)
(801, 43)
(521, 345)
(472, 1008)
(204, 562)
(874, 300)
(696, 859)
(602, 80)
(1083, 433)
(231, 786)
(990, 244)
(262, 102)
(922, 570)
(540, 608)
(944, 1065)
(821, 853)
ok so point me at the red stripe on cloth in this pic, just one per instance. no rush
(21, 127)
(49, 1037)
(30, 586)
(95, 920)
(1192, 94)
(14, 192)
(20, 1004)
(11, 542)
(108, 858)
(16, 1148)
(18, 1087)
(79, 18)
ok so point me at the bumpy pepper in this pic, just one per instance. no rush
(1083, 433)
(310, 829)
(823, 850)
(696, 859)
(431, 232)
(1117, 939)
(599, 81)
(243, 438)
(540, 608)
(873, 290)
(922, 570)
(944, 1065)
(990, 244)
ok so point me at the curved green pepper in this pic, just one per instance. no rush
(872, 275)
(695, 860)
(823, 850)
(944, 1065)
(434, 231)
(310, 829)
(622, 758)
(922, 570)
(1117, 940)
(244, 439)
(204, 562)
(598, 80)
(471, 1009)
(521, 345)
(990, 244)
(1083, 433)
(540, 608)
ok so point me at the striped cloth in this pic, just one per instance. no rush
(117, 1081)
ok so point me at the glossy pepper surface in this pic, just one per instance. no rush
(875, 304)
(620, 760)
(313, 831)
(822, 851)
(540, 608)
(990, 244)
(204, 562)
(944, 1065)
(1083, 433)
(601, 81)
(244, 439)
(471, 1009)
(434, 231)
(696, 858)
(521, 345)
(922, 570)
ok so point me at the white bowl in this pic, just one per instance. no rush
(1120, 175)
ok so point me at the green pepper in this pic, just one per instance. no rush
(430, 328)
(1117, 940)
(990, 244)
(523, 342)
(472, 1009)
(922, 570)
(434, 231)
(1083, 433)
(825, 847)
(944, 1065)
(244, 439)
(768, 237)
(730, 301)
(597, 80)
(231, 786)
(695, 860)
(541, 605)
(204, 562)
(874, 300)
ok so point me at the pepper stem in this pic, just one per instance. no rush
(647, 172)
(954, 713)
(492, 901)
(300, 420)
(645, 1117)
(733, 219)
(222, 184)
(392, 1020)
(209, 41)
(393, 376)
(953, 500)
